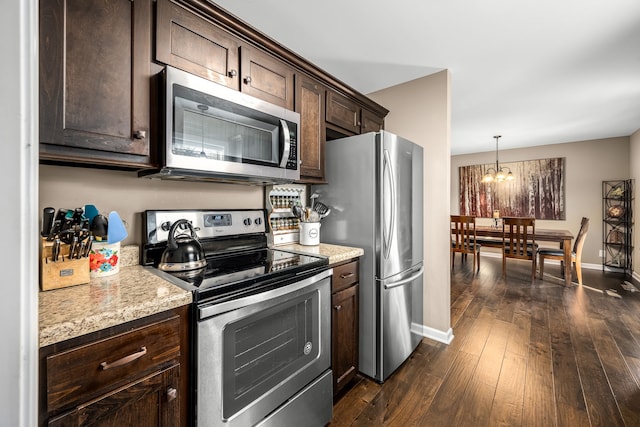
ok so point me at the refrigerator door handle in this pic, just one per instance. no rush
(405, 281)
(388, 231)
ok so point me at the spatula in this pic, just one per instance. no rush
(90, 212)
(117, 231)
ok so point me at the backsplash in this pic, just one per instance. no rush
(125, 193)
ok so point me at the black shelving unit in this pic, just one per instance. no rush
(617, 225)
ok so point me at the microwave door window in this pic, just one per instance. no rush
(206, 131)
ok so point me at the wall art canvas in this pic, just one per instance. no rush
(537, 190)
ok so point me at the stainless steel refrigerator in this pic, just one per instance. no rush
(375, 193)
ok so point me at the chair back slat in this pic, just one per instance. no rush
(582, 234)
(518, 237)
(463, 233)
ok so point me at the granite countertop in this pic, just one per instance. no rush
(335, 253)
(131, 294)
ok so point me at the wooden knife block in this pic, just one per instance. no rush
(63, 273)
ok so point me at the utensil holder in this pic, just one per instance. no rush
(63, 273)
(309, 233)
(104, 259)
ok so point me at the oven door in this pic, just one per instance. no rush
(256, 353)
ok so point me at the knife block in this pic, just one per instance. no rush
(63, 273)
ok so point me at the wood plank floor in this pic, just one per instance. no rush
(523, 355)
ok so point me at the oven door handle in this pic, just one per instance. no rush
(214, 309)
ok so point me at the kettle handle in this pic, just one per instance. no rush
(171, 243)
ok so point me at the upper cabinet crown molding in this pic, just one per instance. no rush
(251, 35)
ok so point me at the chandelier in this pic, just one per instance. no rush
(500, 173)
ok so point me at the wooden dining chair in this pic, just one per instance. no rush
(463, 238)
(519, 242)
(576, 253)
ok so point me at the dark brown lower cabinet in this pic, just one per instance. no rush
(151, 401)
(344, 326)
(133, 374)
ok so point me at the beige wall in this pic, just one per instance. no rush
(125, 193)
(588, 163)
(420, 111)
(634, 159)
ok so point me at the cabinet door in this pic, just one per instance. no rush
(95, 81)
(370, 122)
(265, 77)
(187, 41)
(344, 341)
(150, 402)
(310, 103)
(343, 112)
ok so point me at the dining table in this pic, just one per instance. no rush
(563, 237)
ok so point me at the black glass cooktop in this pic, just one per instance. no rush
(236, 275)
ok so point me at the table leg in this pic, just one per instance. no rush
(566, 246)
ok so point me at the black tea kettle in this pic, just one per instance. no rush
(183, 252)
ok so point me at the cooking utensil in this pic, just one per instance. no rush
(312, 199)
(117, 232)
(47, 221)
(313, 217)
(73, 245)
(99, 227)
(183, 252)
(297, 211)
(90, 212)
(322, 209)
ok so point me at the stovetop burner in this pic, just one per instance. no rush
(238, 261)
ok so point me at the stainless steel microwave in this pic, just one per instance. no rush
(213, 132)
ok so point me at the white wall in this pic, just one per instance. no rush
(587, 164)
(18, 172)
(420, 111)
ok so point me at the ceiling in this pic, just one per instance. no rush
(536, 72)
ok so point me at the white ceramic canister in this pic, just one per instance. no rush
(309, 233)
(104, 259)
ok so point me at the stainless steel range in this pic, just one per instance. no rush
(260, 323)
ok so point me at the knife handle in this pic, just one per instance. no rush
(55, 250)
(72, 247)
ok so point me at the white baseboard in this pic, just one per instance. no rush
(436, 334)
(585, 265)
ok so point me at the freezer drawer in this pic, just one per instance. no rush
(401, 317)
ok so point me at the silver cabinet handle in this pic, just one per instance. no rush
(337, 307)
(346, 276)
(247, 80)
(172, 394)
(233, 73)
(140, 134)
(125, 360)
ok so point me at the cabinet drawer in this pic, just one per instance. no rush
(344, 275)
(85, 372)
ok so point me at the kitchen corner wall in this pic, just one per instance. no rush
(634, 158)
(124, 192)
(588, 163)
(420, 111)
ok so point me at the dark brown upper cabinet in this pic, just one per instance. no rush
(95, 82)
(189, 41)
(350, 116)
(310, 103)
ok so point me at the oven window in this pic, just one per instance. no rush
(212, 128)
(265, 348)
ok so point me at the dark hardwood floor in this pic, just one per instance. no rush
(523, 355)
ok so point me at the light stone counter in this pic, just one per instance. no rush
(335, 253)
(131, 294)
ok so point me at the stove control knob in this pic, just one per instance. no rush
(247, 222)
(258, 221)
